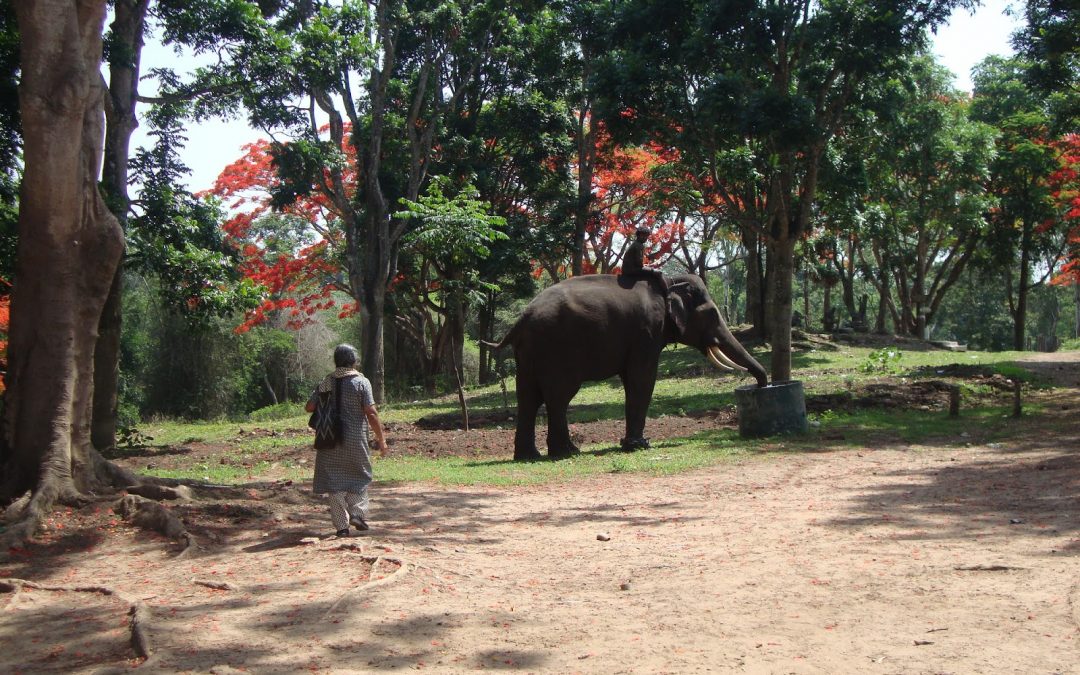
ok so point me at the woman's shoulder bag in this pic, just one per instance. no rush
(326, 420)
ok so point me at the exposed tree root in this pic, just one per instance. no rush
(151, 515)
(138, 623)
(216, 585)
(24, 519)
(160, 492)
(372, 583)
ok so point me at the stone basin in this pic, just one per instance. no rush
(779, 408)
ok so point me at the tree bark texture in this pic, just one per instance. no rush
(782, 262)
(69, 248)
(1023, 287)
(755, 291)
(120, 123)
(586, 155)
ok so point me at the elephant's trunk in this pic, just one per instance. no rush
(730, 352)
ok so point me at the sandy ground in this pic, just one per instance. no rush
(958, 557)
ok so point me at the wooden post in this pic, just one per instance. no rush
(1017, 406)
(954, 401)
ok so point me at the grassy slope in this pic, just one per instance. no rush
(684, 386)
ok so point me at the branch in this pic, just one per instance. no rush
(190, 95)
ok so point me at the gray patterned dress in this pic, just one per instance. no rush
(347, 466)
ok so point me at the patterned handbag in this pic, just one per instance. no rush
(326, 420)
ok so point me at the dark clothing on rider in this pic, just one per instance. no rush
(634, 260)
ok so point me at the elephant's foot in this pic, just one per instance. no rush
(632, 444)
(527, 455)
(563, 453)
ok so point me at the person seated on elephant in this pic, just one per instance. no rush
(634, 260)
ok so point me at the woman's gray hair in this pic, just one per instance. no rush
(345, 356)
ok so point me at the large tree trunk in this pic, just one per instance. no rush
(782, 264)
(826, 308)
(69, 248)
(373, 318)
(883, 300)
(586, 155)
(1076, 301)
(127, 38)
(1023, 286)
(755, 286)
(486, 326)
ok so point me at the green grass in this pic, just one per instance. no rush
(216, 473)
(875, 427)
(685, 385)
(665, 457)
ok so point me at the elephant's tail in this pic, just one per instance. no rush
(508, 339)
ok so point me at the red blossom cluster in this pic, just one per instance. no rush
(626, 193)
(298, 280)
(5, 322)
(1065, 187)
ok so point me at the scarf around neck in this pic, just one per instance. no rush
(328, 382)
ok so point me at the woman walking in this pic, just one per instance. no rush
(344, 471)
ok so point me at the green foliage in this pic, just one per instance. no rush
(1049, 40)
(274, 413)
(177, 237)
(171, 366)
(884, 360)
(130, 437)
(10, 140)
(454, 233)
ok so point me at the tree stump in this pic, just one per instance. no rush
(954, 400)
(779, 408)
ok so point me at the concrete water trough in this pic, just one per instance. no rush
(779, 408)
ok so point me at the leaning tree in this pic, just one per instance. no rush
(69, 247)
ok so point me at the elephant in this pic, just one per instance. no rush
(593, 327)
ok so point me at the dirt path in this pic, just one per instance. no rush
(903, 559)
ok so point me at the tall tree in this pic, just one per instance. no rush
(70, 245)
(414, 65)
(453, 234)
(1025, 234)
(1050, 41)
(927, 199)
(125, 43)
(768, 82)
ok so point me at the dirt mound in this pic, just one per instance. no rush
(920, 395)
(450, 421)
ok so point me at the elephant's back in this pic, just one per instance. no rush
(585, 324)
(590, 298)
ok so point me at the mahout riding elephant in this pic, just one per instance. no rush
(592, 327)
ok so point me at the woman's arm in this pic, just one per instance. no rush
(376, 425)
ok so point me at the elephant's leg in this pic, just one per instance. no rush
(558, 441)
(529, 400)
(638, 384)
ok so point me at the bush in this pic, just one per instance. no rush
(273, 413)
(884, 360)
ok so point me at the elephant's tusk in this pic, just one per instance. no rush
(715, 361)
(725, 359)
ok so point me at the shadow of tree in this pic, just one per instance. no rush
(1031, 481)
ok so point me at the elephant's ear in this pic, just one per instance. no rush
(676, 310)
